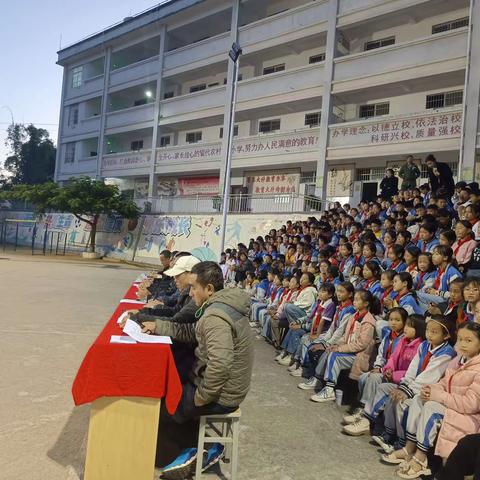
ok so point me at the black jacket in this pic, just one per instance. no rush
(445, 180)
(389, 187)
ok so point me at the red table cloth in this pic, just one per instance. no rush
(127, 370)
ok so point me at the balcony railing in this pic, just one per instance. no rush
(202, 204)
(144, 68)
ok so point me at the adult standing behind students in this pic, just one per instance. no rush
(389, 185)
(409, 172)
(440, 176)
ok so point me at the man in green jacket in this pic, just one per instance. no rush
(220, 378)
(409, 173)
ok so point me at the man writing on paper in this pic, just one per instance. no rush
(220, 377)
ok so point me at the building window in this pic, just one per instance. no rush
(274, 68)
(193, 137)
(215, 84)
(168, 95)
(235, 131)
(73, 115)
(383, 42)
(136, 145)
(374, 110)
(77, 75)
(452, 25)
(445, 99)
(165, 141)
(141, 101)
(198, 88)
(313, 119)
(70, 152)
(269, 126)
(317, 58)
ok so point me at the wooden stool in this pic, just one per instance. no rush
(226, 429)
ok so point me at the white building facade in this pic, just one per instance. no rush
(330, 94)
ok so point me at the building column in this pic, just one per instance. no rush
(471, 99)
(327, 104)
(152, 184)
(228, 95)
(103, 117)
(58, 159)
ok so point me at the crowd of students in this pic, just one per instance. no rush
(389, 293)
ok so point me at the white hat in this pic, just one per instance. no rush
(182, 265)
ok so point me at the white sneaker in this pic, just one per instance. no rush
(285, 361)
(361, 427)
(293, 367)
(326, 395)
(310, 384)
(297, 372)
(354, 417)
(279, 357)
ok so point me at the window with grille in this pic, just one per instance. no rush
(235, 131)
(445, 99)
(269, 126)
(70, 152)
(165, 141)
(369, 174)
(77, 77)
(136, 145)
(73, 115)
(198, 88)
(193, 137)
(317, 58)
(167, 95)
(383, 42)
(274, 68)
(313, 119)
(374, 110)
(452, 25)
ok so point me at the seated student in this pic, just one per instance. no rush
(310, 354)
(314, 268)
(347, 259)
(367, 385)
(272, 300)
(427, 240)
(371, 273)
(395, 259)
(411, 260)
(353, 350)
(335, 275)
(394, 370)
(406, 297)
(426, 272)
(316, 323)
(442, 258)
(386, 282)
(282, 292)
(370, 238)
(453, 403)
(455, 308)
(464, 245)
(324, 265)
(447, 238)
(263, 286)
(405, 239)
(389, 239)
(369, 253)
(471, 295)
(358, 252)
(428, 366)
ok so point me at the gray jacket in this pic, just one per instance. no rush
(224, 353)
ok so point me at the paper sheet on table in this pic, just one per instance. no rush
(122, 317)
(136, 302)
(122, 339)
(134, 330)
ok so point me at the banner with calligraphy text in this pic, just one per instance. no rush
(268, 183)
(126, 160)
(434, 126)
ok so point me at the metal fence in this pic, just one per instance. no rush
(203, 204)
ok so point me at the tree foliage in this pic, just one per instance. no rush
(32, 159)
(85, 198)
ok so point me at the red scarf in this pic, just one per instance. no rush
(426, 361)
(339, 311)
(400, 296)
(411, 267)
(394, 265)
(319, 309)
(385, 294)
(370, 282)
(393, 336)
(358, 317)
(460, 243)
(438, 278)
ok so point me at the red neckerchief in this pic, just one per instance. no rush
(421, 274)
(400, 296)
(394, 265)
(386, 293)
(426, 361)
(358, 317)
(393, 336)
(339, 311)
(318, 316)
(282, 296)
(425, 244)
(274, 292)
(438, 278)
(370, 282)
(450, 308)
(460, 243)
(357, 258)
(411, 267)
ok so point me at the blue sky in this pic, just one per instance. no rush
(30, 33)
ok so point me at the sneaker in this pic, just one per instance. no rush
(298, 372)
(357, 429)
(214, 454)
(293, 367)
(354, 417)
(279, 357)
(285, 361)
(310, 384)
(182, 467)
(326, 395)
(383, 442)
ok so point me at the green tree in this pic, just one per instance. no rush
(32, 159)
(85, 198)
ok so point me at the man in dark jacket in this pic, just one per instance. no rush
(220, 378)
(389, 185)
(440, 176)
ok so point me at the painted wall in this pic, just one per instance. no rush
(151, 234)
